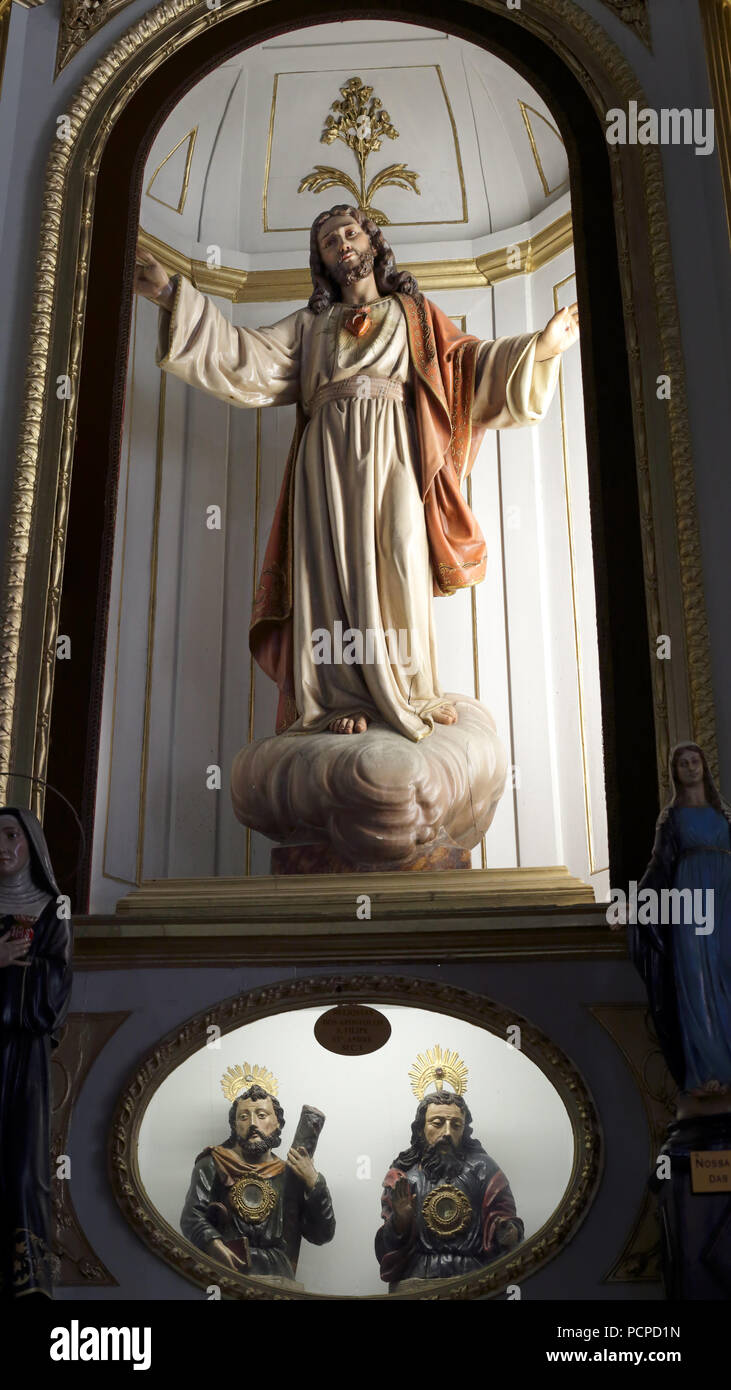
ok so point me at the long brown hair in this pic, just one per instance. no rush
(389, 279)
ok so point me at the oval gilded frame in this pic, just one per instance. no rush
(181, 1043)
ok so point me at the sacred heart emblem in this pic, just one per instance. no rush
(359, 323)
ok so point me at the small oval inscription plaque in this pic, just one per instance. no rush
(352, 1030)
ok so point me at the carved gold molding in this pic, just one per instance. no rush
(677, 598)
(183, 1042)
(682, 691)
(79, 20)
(635, 14)
(276, 286)
(716, 15)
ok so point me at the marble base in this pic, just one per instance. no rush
(375, 799)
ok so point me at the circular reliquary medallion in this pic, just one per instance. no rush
(446, 1210)
(253, 1198)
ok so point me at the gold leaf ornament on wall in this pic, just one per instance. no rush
(361, 122)
(179, 205)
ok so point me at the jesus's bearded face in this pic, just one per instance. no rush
(345, 249)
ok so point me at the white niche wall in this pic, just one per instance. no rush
(181, 694)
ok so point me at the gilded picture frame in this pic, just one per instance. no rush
(179, 1044)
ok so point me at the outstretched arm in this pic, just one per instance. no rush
(244, 366)
(516, 377)
(152, 280)
(560, 333)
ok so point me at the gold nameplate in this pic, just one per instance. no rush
(710, 1170)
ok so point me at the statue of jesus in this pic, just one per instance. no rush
(392, 402)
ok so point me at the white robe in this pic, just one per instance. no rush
(361, 565)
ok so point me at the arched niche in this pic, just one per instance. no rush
(645, 537)
(525, 641)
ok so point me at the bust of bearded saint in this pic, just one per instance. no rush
(447, 1207)
(248, 1209)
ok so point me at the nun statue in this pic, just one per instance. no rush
(35, 983)
(686, 966)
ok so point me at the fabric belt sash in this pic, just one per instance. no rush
(361, 388)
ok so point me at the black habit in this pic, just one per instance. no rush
(34, 996)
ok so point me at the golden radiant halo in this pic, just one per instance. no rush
(446, 1210)
(436, 1068)
(253, 1198)
(238, 1079)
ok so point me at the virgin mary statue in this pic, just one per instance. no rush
(686, 963)
(35, 985)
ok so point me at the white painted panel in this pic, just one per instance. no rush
(136, 513)
(170, 560)
(582, 687)
(536, 792)
(199, 640)
(303, 103)
(235, 661)
(202, 110)
(105, 889)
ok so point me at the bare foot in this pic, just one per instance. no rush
(444, 714)
(358, 725)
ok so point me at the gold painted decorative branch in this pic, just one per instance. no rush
(360, 121)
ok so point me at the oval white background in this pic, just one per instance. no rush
(517, 1115)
